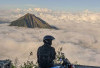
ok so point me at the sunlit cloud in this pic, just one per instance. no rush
(80, 42)
(48, 14)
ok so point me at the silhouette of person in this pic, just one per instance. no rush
(46, 54)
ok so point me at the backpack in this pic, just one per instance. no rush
(45, 59)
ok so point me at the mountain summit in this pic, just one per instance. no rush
(30, 21)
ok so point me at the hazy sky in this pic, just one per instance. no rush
(73, 5)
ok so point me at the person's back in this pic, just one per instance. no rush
(46, 55)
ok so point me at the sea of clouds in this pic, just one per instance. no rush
(78, 35)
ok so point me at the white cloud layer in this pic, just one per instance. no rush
(79, 35)
(80, 42)
(42, 10)
(48, 14)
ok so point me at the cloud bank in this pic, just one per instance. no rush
(79, 44)
(48, 14)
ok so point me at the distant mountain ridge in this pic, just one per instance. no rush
(30, 21)
(1, 22)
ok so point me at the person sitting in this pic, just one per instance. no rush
(46, 54)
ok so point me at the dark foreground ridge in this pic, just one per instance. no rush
(8, 64)
(84, 66)
(5, 64)
(30, 21)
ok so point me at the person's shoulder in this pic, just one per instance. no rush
(53, 48)
(40, 47)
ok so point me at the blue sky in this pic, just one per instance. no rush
(72, 5)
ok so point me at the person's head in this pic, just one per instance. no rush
(48, 39)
